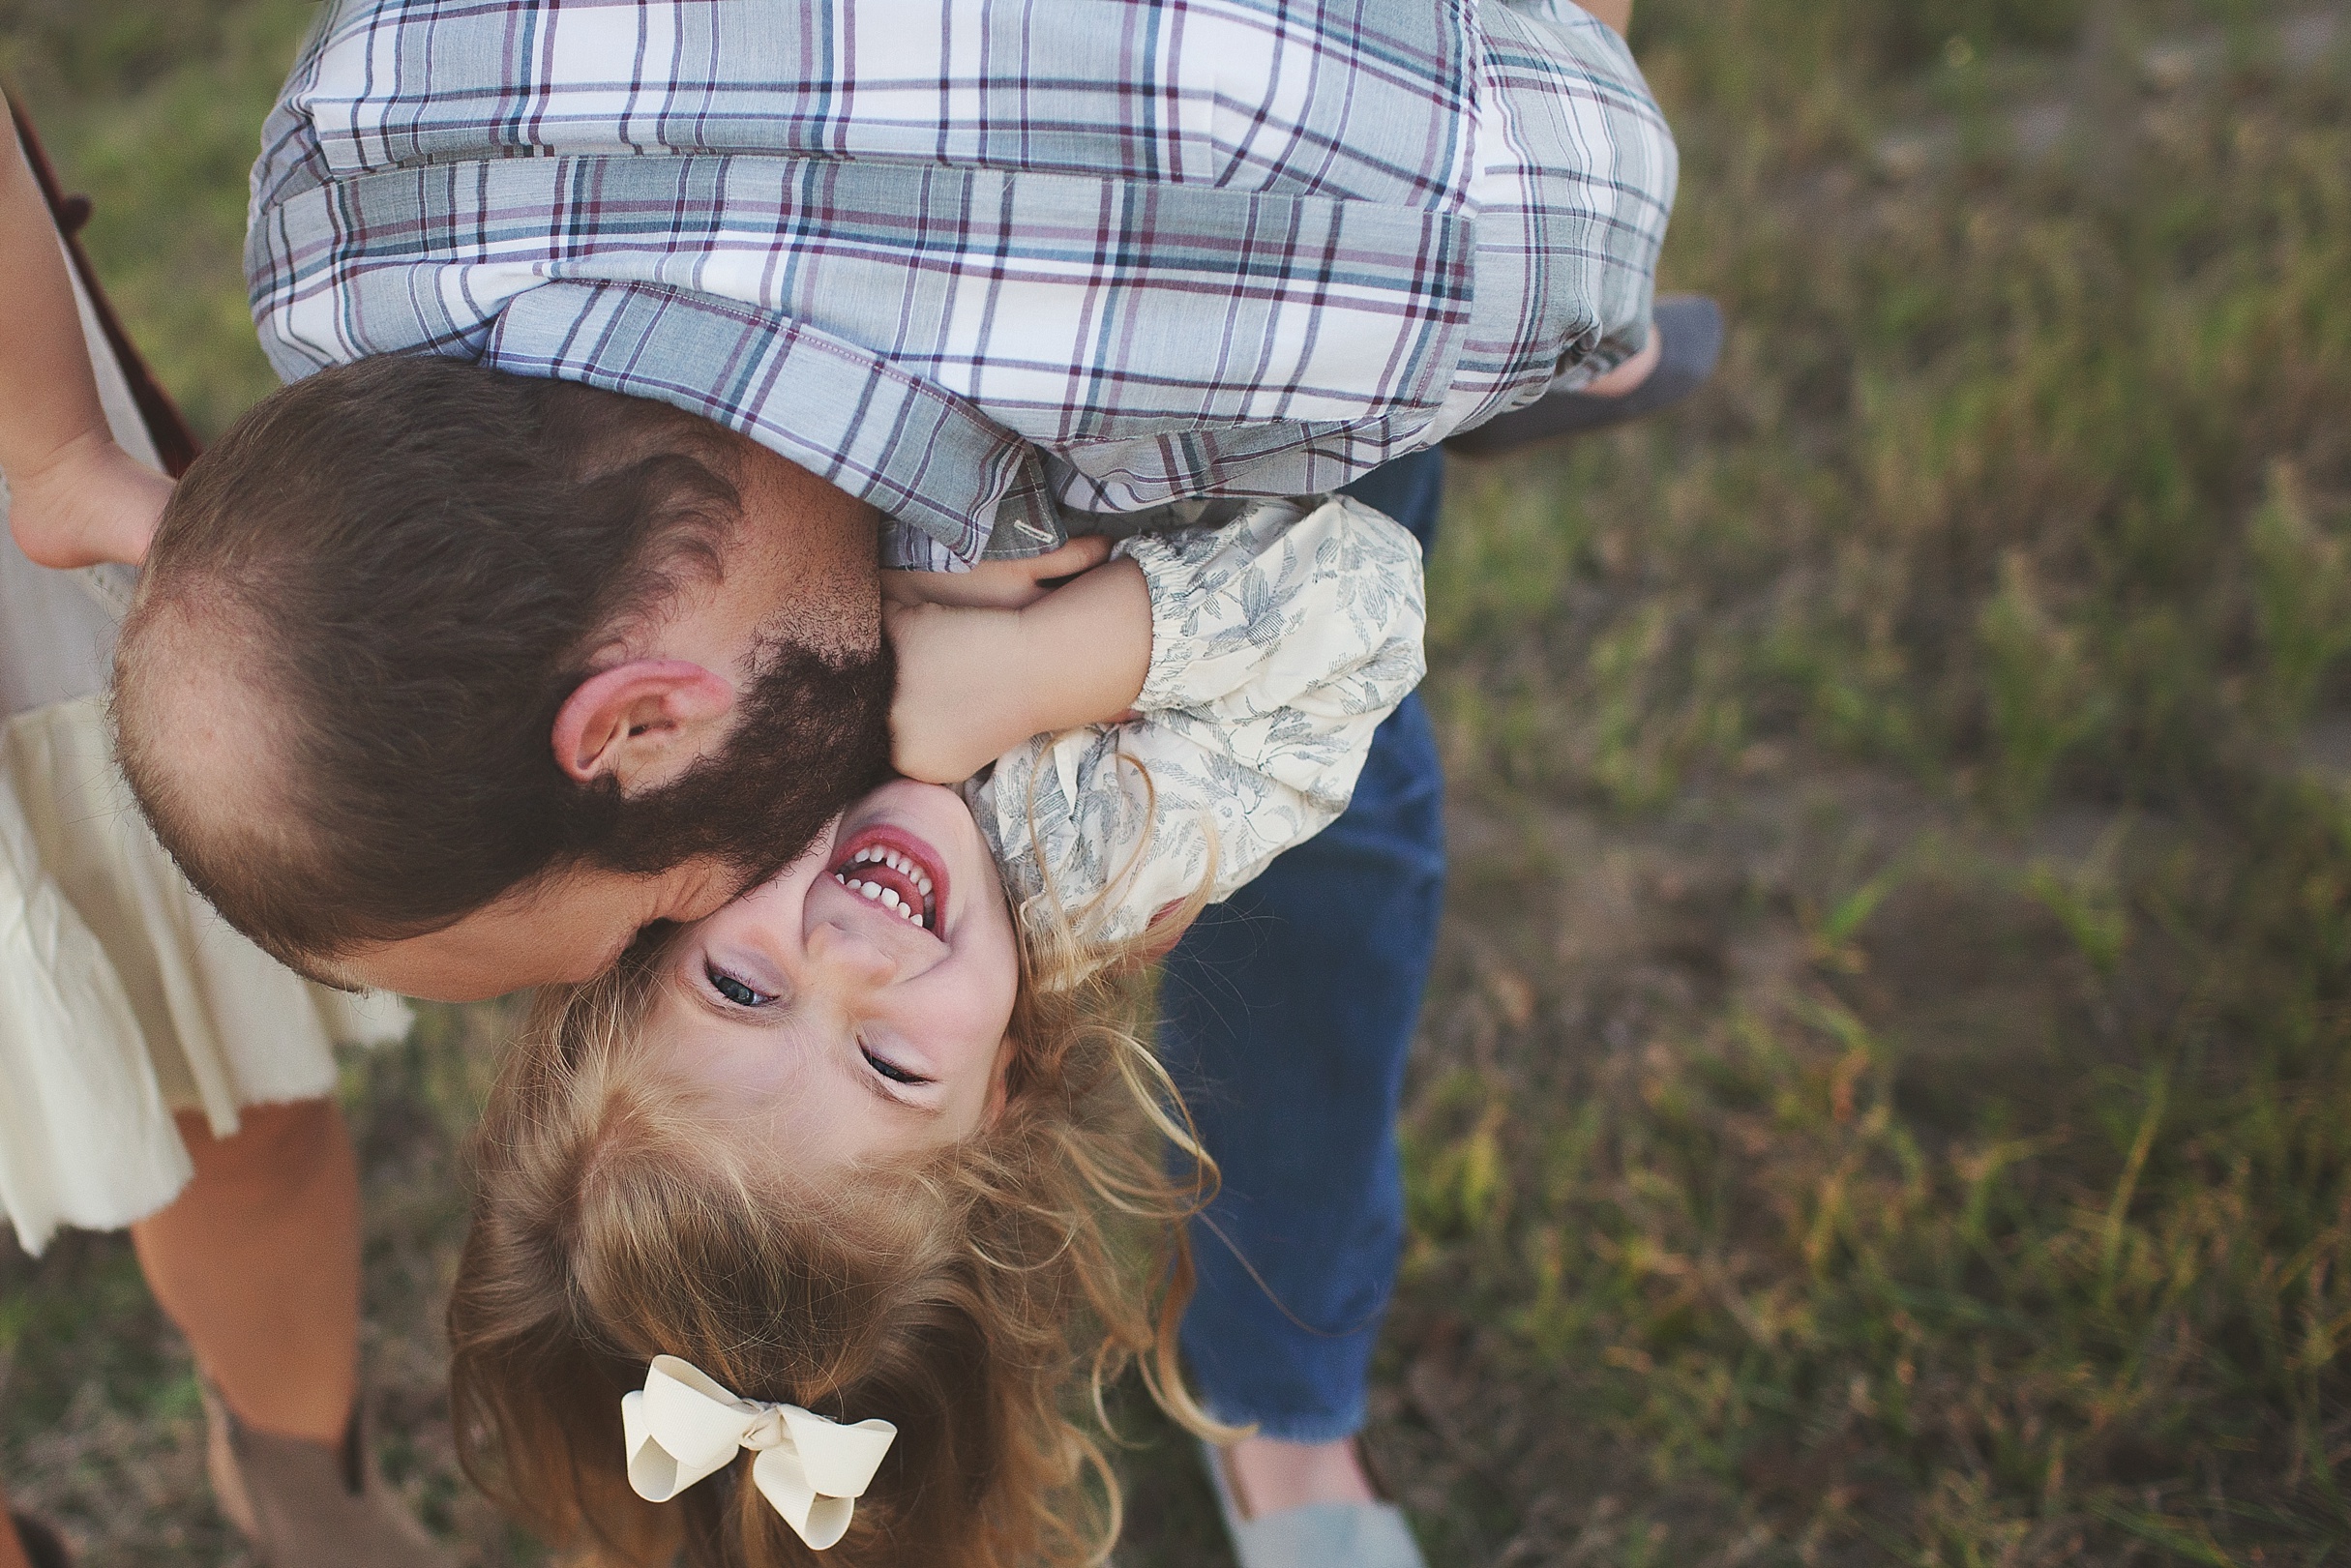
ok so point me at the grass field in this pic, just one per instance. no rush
(1885, 1098)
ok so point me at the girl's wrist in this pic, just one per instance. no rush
(1023, 654)
(1085, 649)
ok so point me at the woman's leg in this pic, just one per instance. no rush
(258, 1263)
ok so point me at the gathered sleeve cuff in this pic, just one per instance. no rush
(1278, 644)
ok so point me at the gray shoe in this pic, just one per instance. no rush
(311, 1505)
(1319, 1535)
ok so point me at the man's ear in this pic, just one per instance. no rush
(642, 723)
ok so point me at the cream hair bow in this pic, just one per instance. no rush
(684, 1426)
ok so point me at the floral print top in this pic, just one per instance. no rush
(1279, 642)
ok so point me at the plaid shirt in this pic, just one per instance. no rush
(988, 264)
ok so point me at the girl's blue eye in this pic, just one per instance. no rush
(896, 1075)
(733, 990)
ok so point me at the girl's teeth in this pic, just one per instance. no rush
(886, 898)
(885, 895)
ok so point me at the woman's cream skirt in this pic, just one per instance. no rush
(124, 997)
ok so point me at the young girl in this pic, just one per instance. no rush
(842, 1185)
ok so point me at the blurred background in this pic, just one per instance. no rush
(1884, 1096)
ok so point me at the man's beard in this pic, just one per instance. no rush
(812, 734)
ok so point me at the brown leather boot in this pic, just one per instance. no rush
(311, 1505)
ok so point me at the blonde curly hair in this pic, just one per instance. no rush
(981, 1300)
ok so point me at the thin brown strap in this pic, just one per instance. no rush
(174, 441)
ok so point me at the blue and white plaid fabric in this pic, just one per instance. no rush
(985, 263)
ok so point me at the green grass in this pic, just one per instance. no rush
(1884, 1096)
(1972, 1186)
(155, 110)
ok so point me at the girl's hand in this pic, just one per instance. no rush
(91, 502)
(961, 701)
(997, 584)
(976, 681)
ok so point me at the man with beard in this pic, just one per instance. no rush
(541, 606)
(534, 667)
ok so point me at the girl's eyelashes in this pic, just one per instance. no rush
(743, 996)
(895, 1073)
(733, 990)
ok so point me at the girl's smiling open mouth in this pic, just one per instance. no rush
(893, 867)
(854, 987)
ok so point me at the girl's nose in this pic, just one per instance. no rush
(843, 957)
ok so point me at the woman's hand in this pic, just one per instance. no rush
(997, 584)
(74, 497)
(89, 502)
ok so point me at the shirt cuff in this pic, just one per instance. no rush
(1169, 578)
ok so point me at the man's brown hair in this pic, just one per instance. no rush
(401, 565)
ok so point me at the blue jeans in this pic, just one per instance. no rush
(1287, 1015)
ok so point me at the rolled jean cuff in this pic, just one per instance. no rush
(1295, 1427)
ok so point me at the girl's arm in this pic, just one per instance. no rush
(74, 497)
(982, 665)
(1277, 643)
